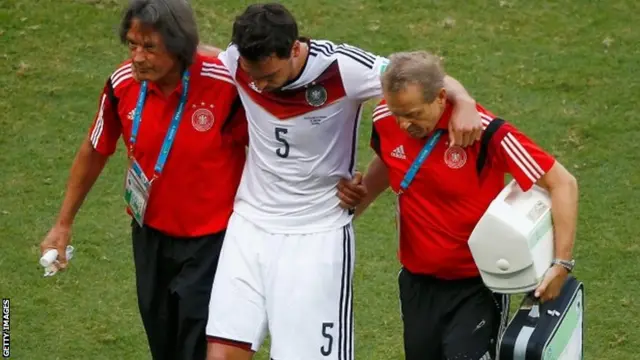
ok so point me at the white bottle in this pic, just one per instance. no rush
(49, 260)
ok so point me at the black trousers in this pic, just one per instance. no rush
(449, 319)
(173, 280)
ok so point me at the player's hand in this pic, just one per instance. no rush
(465, 126)
(58, 238)
(351, 192)
(552, 283)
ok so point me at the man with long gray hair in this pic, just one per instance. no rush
(185, 136)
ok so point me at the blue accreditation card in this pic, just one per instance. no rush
(136, 191)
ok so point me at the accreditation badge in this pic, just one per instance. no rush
(136, 191)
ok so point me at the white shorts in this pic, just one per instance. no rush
(297, 287)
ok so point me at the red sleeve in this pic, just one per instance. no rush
(106, 128)
(518, 155)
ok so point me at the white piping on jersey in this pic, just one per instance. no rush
(120, 75)
(522, 158)
(380, 112)
(122, 69)
(97, 129)
(486, 119)
(517, 152)
(216, 71)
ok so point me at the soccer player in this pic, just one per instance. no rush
(287, 260)
(447, 311)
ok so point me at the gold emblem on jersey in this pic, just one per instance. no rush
(316, 95)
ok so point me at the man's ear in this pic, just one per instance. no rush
(296, 49)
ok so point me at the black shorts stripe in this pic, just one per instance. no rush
(345, 314)
(349, 315)
(341, 329)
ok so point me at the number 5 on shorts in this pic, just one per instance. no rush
(326, 351)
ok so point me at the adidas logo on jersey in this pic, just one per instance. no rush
(399, 153)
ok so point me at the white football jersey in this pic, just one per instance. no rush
(303, 138)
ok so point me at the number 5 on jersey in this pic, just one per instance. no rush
(326, 350)
(282, 151)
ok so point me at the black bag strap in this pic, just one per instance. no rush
(488, 133)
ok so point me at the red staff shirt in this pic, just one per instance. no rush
(194, 194)
(446, 199)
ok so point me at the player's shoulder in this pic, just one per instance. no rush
(346, 54)
(381, 112)
(210, 71)
(122, 77)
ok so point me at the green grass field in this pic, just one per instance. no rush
(564, 71)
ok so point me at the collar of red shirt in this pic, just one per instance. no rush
(443, 123)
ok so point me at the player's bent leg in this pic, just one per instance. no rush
(219, 349)
(473, 331)
(310, 297)
(237, 313)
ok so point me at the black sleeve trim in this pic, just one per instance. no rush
(375, 140)
(113, 100)
(235, 107)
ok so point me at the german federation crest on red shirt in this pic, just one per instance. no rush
(202, 119)
(455, 157)
(316, 95)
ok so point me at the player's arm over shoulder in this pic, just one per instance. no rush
(229, 56)
(360, 70)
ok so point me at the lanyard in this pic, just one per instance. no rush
(417, 163)
(173, 127)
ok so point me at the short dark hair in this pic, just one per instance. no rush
(173, 19)
(263, 30)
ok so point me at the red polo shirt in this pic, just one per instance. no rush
(445, 201)
(194, 194)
